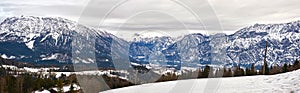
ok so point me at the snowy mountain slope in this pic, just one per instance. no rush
(248, 44)
(243, 48)
(281, 83)
(48, 41)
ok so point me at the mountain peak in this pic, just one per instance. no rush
(31, 24)
(34, 18)
(279, 28)
(44, 38)
(50, 39)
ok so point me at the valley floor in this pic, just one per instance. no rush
(281, 83)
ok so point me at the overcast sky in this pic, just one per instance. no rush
(171, 16)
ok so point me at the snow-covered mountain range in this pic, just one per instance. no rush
(49, 41)
(45, 40)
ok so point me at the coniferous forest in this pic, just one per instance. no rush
(13, 81)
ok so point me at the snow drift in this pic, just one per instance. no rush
(281, 83)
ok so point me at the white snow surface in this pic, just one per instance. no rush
(67, 88)
(30, 44)
(10, 66)
(44, 91)
(281, 83)
(51, 57)
(7, 57)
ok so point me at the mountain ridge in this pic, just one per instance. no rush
(36, 39)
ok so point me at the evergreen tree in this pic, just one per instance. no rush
(11, 80)
(296, 63)
(2, 84)
(242, 72)
(267, 69)
(38, 84)
(72, 88)
(28, 83)
(275, 70)
(285, 67)
(60, 86)
(174, 76)
(19, 84)
(206, 71)
(248, 72)
(253, 70)
(290, 67)
(48, 83)
(237, 71)
(227, 72)
(200, 75)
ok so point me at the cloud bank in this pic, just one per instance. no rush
(154, 15)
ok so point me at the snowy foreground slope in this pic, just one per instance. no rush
(281, 83)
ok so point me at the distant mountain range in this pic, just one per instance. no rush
(48, 41)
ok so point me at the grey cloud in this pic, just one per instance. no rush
(232, 14)
(239, 13)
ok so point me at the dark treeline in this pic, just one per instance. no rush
(29, 82)
(63, 68)
(14, 81)
(20, 81)
(14, 63)
(231, 72)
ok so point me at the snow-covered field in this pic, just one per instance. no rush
(44, 71)
(65, 89)
(281, 83)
